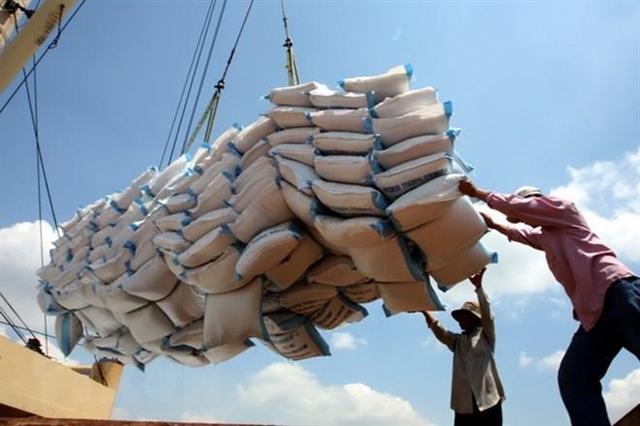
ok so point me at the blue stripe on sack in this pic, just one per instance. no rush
(408, 69)
(379, 200)
(433, 295)
(367, 125)
(371, 103)
(448, 108)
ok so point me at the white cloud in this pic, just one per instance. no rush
(286, 393)
(524, 360)
(608, 194)
(19, 260)
(623, 394)
(550, 362)
(199, 418)
(344, 340)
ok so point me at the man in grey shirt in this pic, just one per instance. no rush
(476, 389)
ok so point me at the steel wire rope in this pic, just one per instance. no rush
(210, 111)
(204, 73)
(195, 60)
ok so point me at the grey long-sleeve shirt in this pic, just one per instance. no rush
(474, 367)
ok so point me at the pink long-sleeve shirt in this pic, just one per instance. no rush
(578, 259)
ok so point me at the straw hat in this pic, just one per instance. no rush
(471, 307)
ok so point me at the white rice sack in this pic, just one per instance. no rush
(460, 227)
(267, 250)
(214, 195)
(414, 148)
(425, 203)
(98, 320)
(282, 322)
(297, 174)
(298, 135)
(300, 343)
(114, 298)
(261, 169)
(293, 267)
(260, 149)
(361, 293)
(306, 298)
(158, 186)
(190, 335)
(350, 200)
(173, 222)
(323, 97)
(336, 271)
(251, 134)
(389, 261)
(234, 316)
(344, 143)
(302, 153)
(190, 175)
(153, 281)
(179, 202)
(464, 264)
(170, 242)
(357, 170)
(197, 228)
(289, 116)
(148, 323)
(303, 206)
(69, 273)
(227, 351)
(124, 199)
(190, 359)
(354, 232)
(107, 217)
(218, 148)
(69, 296)
(120, 341)
(340, 120)
(430, 120)
(405, 103)
(183, 305)
(229, 162)
(217, 276)
(296, 95)
(386, 85)
(337, 312)
(408, 297)
(266, 211)
(207, 248)
(107, 270)
(68, 332)
(405, 177)
(329, 248)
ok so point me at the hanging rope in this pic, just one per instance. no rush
(292, 68)
(204, 73)
(184, 99)
(210, 112)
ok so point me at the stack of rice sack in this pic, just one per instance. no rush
(329, 201)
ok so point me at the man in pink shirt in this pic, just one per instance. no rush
(604, 292)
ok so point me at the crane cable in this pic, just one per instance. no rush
(182, 103)
(210, 112)
(292, 68)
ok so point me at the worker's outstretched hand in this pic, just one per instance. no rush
(476, 279)
(468, 188)
(488, 220)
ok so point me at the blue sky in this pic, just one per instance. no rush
(546, 93)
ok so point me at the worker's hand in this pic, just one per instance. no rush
(476, 279)
(468, 188)
(488, 220)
